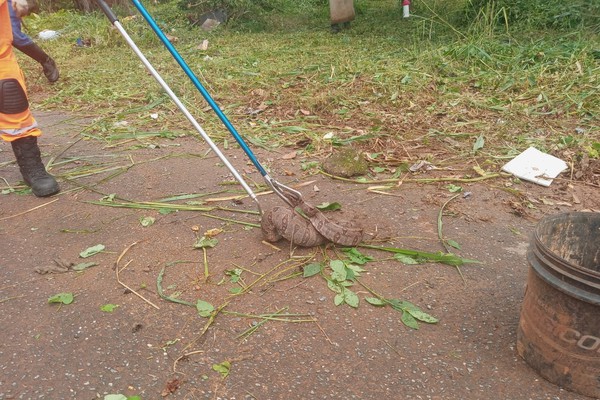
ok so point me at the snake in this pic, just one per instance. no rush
(314, 230)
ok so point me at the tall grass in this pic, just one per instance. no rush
(539, 14)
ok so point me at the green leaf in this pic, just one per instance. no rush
(375, 301)
(355, 268)
(338, 299)
(90, 251)
(109, 307)
(329, 206)
(333, 286)
(110, 198)
(235, 290)
(478, 143)
(83, 266)
(351, 275)
(408, 260)
(396, 304)
(423, 316)
(351, 298)
(235, 274)
(356, 257)
(409, 320)
(402, 305)
(121, 397)
(312, 269)
(453, 243)
(339, 273)
(147, 221)
(222, 368)
(453, 188)
(63, 298)
(204, 308)
(205, 242)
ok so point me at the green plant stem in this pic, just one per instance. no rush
(280, 317)
(415, 180)
(439, 221)
(441, 236)
(444, 258)
(163, 296)
(205, 264)
(180, 207)
(251, 330)
(208, 323)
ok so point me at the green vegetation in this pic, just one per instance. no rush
(539, 14)
(283, 78)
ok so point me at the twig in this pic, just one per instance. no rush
(271, 245)
(260, 278)
(117, 270)
(324, 334)
(30, 210)
(211, 319)
(246, 334)
(7, 184)
(183, 356)
(11, 298)
(393, 348)
(282, 317)
(579, 182)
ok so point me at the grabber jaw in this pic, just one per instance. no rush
(291, 196)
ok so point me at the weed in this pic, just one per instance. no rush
(385, 79)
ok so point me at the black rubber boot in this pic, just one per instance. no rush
(30, 163)
(34, 51)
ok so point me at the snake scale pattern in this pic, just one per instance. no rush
(285, 222)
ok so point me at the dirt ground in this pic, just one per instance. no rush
(156, 348)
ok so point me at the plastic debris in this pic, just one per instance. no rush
(47, 34)
(535, 166)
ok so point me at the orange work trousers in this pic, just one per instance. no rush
(12, 126)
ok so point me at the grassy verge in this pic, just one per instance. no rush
(423, 87)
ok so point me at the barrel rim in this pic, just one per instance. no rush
(594, 274)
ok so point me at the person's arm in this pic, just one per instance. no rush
(21, 7)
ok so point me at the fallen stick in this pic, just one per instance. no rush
(117, 270)
(28, 211)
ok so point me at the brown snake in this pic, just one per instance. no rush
(284, 222)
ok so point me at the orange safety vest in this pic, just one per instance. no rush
(12, 126)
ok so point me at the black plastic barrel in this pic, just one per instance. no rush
(559, 328)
